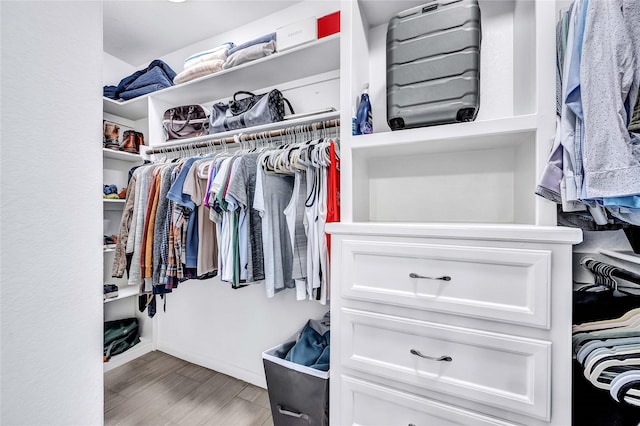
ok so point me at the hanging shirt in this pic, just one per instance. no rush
(242, 189)
(610, 77)
(272, 195)
(294, 213)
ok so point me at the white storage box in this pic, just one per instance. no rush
(298, 395)
(298, 33)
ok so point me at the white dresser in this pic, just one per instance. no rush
(437, 324)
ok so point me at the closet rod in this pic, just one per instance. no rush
(319, 125)
(592, 265)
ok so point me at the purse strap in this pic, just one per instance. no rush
(186, 123)
(242, 92)
(288, 104)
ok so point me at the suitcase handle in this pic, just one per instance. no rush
(286, 412)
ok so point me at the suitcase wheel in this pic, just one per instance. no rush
(466, 114)
(396, 123)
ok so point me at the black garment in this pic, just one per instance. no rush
(588, 306)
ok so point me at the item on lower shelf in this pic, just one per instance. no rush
(132, 141)
(110, 291)
(110, 240)
(123, 194)
(110, 135)
(110, 189)
(119, 336)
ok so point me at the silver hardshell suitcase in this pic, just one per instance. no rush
(433, 64)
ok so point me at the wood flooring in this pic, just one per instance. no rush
(158, 389)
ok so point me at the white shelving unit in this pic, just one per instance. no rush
(309, 77)
(438, 201)
(500, 153)
(116, 165)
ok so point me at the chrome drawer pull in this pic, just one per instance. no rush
(443, 278)
(442, 358)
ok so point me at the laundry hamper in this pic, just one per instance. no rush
(298, 395)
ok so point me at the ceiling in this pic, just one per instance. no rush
(140, 31)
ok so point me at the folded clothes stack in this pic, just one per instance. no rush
(251, 50)
(156, 76)
(203, 63)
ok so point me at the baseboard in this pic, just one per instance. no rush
(216, 365)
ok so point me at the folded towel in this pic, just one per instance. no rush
(264, 39)
(219, 52)
(250, 53)
(199, 70)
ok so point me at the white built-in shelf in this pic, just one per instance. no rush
(145, 346)
(133, 109)
(108, 249)
(257, 129)
(124, 292)
(109, 204)
(628, 256)
(313, 58)
(121, 155)
(471, 136)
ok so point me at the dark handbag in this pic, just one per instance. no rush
(119, 336)
(254, 110)
(182, 122)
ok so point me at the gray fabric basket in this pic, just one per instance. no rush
(298, 395)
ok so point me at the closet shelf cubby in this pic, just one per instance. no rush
(477, 135)
(121, 155)
(273, 70)
(124, 292)
(133, 109)
(113, 204)
(484, 171)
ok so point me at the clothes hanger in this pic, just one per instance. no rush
(597, 348)
(580, 339)
(618, 349)
(621, 321)
(622, 380)
(599, 376)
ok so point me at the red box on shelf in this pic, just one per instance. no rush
(329, 24)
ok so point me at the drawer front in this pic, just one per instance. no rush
(503, 371)
(369, 404)
(508, 285)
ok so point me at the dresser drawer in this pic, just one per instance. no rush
(503, 371)
(508, 285)
(369, 404)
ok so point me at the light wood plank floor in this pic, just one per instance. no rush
(158, 389)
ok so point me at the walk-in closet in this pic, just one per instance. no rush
(478, 272)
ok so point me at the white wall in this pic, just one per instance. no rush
(50, 302)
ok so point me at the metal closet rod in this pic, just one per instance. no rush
(319, 125)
